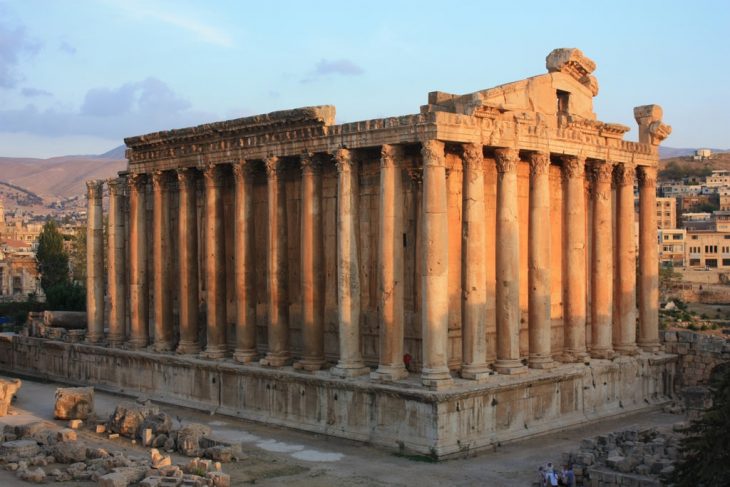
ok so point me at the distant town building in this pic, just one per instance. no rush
(672, 247)
(702, 154)
(708, 250)
(718, 178)
(666, 213)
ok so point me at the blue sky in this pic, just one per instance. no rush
(77, 76)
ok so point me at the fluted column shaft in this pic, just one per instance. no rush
(138, 287)
(602, 268)
(539, 255)
(474, 268)
(312, 277)
(94, 262)
(188, 256)
(624, 340)
(434, 275)
(574, 346)
(278, 292)
(117, 263)
(508, 265)
(390, 266)
(162, 261)
(215, 265)
(245, 268)
(648, 261)
(350, 362)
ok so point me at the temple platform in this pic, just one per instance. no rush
(403, 416)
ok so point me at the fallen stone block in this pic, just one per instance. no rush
(128, 417)
(69, 452)
(160, 423)
(37, 476)
(13, 451)
(159, 460)
(218, 479)
(74, 402)
(75, 424)
(189, 438)
(222, 454)
(66, 434)
(100, 428)
(8, 389)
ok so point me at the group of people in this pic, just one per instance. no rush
(549, 476)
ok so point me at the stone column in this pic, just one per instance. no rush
(94, 262)
(215, 267)
(539, 262)
(435, 273)
(390, 266)
(624, 340)
(474, 268)
(188, 256)
(278, 332)
(117, 263)
(138, 290)
(601, 277)
(574, 321)
(648, 261)
(350, 363)
(508, 265)
(162, 261)
(245, 268)
(312, 277)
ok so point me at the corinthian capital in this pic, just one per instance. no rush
(212, 176)
(136, 181)
(507, 160)
(94, 189)
(539, 163)
(647, 176)
(159, 181)
(343, 160)
(573, 167)
(432, 152)
(309, 162)
(272, 164)
(474, 156)
(186, 177)
(625, 174)
(117, 186)
(390, 155)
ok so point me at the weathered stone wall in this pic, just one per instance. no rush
(465, 418)
(698, 355)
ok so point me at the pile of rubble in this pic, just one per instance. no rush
(631, 457)
(43, 451)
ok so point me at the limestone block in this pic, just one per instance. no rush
(8, 389)
(37, 476)
(159, 460)
(188, 439)
(218, 479)
(70, 452)
(219, 454)
(12, 451)
(65, 319)
(128, 417)
(159, 423)
(75, 424)
(152, 481)
(122, 477)
(74, 402)
(66, 434)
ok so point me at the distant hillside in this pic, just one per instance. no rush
(670, 152)
(678, 167)
(59, 178)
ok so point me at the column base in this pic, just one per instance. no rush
(188, 348)
(437, 379)
(510, 366)
(115, 341)
(475, 372)
(137, 343)
(163, 347)
(574, 356)
(310, 364)
(352, 369)
(541, 362)
(245, 356)
(602, 353)
(277, 359)
(630, 350)
(214, 352)
(651, 346)
(389, 373)
(95, 339)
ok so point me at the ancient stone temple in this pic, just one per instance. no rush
(433, 282)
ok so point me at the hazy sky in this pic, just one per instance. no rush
(78, 76)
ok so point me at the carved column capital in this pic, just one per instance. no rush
(241, 170)
(309, 163)
(213, 176)
(432, 152)
(117, 186)
(343, 160)
(136, 182)
(416, 174)
(507, 160)
(94, 189)
(390, 155)
(602, 172)
(573, 167)
(273, 166)
(160, 181)
(473, 156)
(539, 163)
(187, 178)
(647, 176)
(625, 174)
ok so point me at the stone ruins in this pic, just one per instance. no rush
(432, 283)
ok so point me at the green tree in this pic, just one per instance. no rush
(705, 448)
(78, 256)
(51, 257)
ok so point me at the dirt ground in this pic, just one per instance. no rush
(282, 457)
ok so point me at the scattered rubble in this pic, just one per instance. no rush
(74, 402)
(8, 389)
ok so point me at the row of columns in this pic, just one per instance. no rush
(610, 333)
